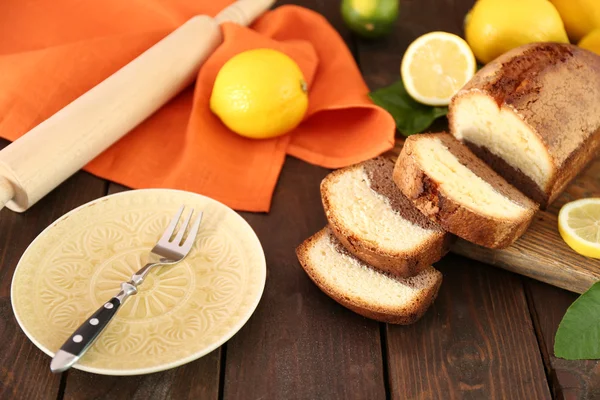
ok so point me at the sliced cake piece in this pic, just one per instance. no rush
(532, 115)
(376, 223)
(456, 189)
(362, 289)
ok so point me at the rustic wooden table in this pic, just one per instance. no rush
(488, 335)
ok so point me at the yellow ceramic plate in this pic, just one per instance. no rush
(180, 313)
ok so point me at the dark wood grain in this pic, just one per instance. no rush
(476, 342)
(116, 188)
(300, 344)
(196, 380)
(570, 380)
(24, 369)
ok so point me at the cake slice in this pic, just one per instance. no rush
(362, 289)
(376, 223)
(459, 191)
(532, 115)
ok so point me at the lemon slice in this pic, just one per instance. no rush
(435, 66)
(579, 226)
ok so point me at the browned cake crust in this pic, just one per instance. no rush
(468, 224)
(555, 89)
(401, 264)
(402, 315)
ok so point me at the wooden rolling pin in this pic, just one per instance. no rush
(44, 157)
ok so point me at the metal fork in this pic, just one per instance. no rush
(165, 252)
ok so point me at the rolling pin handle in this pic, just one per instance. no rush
(243, 12)
(7, 192)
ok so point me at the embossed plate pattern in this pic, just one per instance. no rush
(180, 313)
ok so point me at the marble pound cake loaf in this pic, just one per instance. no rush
(377, 223)
(457, 190)
(533, 114)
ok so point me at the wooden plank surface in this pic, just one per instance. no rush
(300, 344)
(569, 380)
(24, 369)
(476, 342)
(196, 380)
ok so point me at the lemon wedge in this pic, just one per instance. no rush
(435, 66)
(579, 226)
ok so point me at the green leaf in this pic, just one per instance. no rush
(411, 116)
(578, 335)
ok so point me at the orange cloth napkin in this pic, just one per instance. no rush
(51, 52)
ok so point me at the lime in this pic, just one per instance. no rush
(370, 18)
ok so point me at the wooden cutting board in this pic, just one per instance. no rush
(541, 253)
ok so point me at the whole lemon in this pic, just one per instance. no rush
(579, 16)
(493, 27)
(591, 41)
(260, 94)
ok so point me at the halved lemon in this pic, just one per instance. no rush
(435, 66)
(579, 226)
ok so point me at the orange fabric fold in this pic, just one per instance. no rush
(52, 52)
